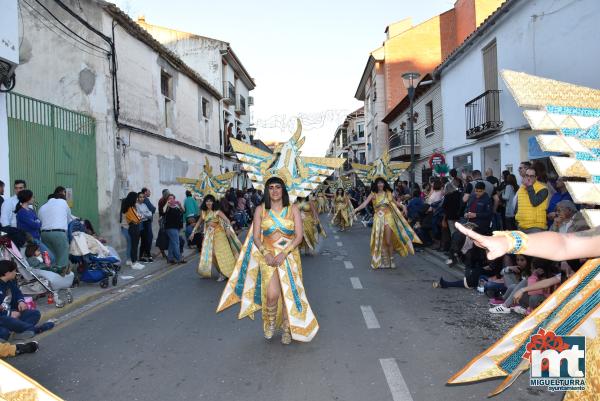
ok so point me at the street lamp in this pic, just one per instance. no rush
(410, 83)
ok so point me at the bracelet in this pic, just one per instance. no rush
(517, 240)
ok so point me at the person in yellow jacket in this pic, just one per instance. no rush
(532, 203)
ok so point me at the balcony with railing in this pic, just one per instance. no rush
(399, 145)
(430, 129)
(228, 92)
(240, 107)
(482, 115)
(357, 138)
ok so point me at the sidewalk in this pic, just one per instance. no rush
(87, 293)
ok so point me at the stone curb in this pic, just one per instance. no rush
(54, 313)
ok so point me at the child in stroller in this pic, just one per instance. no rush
(96, 262)
(35, 281)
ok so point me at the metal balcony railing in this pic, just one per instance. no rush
(241, 105)
(482, 114)
(402, 138)
(228, 92)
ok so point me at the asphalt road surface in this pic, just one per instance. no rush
(385, 335)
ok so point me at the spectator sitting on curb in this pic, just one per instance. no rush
(15, 317)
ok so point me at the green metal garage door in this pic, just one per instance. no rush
(51, 146)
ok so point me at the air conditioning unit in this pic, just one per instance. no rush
(9, 44)
(250, 100)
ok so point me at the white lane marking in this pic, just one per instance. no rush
(339, 243)
(348, 264)
(356, 284)
(336, 236)
(395, 380)
(370, 318)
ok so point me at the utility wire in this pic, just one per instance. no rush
(46, 22)
(69, 29)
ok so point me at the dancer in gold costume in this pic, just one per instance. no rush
(391, 232)
(220, 246)
(310, 222)
(321, 202)
(343, 211)
(268, 274)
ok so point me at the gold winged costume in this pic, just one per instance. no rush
(573, 309)
(387, 213)
(220, 245)
(251, 275)
(343, 210)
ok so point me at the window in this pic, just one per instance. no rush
(361, 130)
(429, 118)
(490, 66)
(429, 113)
(362, 158)
(205, 108)
(166, 87)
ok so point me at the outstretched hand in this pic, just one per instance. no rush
(494, 246)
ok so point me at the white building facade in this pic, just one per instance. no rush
(155, 118)
(483, 126)
(371, 91)
(216, 62)
(428, 128)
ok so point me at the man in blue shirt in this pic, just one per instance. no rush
(15, 316)
(415, 206)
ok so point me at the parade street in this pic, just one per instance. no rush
(385, 335)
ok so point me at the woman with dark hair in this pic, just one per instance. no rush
(391, 232)
(173, 222)
(27, 219)
(130, 223)
(342, 210)
(278, 232)
(268, 274)
(220, 246)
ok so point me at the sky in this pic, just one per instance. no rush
(306, 57)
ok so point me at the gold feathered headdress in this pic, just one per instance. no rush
(300, 174)
(381, 168)
(207, 184)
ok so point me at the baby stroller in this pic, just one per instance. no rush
(37, 282)
(96, 262)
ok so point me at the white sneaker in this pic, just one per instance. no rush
(519, 310)
(500, 309)
(128, 263)
(138, 266)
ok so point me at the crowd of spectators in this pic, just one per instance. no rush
(531, 202)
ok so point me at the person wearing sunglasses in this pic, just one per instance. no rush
(532, 203)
